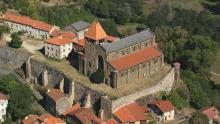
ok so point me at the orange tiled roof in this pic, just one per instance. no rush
(43, 119)
(55, 94)
(85, 115)
(3, 96)
(64, 38)
(164, 105)
(133, 59)
(42, 26)
(53, 120)
(95, 31)
(27, 21)
(111, 121)
(80, 42)
(211, 113)
(111, 38)
(131, 113)
(73, 108)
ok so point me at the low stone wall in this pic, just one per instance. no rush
(164, 84)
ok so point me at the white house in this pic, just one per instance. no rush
(59, 46)
(30, 27)
(164, 110)
(3, 106)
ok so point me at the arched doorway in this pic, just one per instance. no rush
(100, 62)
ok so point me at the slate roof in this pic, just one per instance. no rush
(80, 25)
(128, 41)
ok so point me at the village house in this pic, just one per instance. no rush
(30, 27)
(56, 102)
(164, 110)
(43, 119)
(128, 60)
(80, 115)
(3, 106)
(131, 114)
(59, 46)
(212, 114)
(79, 28)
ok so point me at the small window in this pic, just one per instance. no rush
(90, 64)
(155, 60)
(122, 74)
(133, 69)
(143, 65)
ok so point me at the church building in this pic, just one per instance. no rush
(131, 59)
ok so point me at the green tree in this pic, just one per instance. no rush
(177, 100)
(198, 118)
(16, 41)
(123, 16)
(98, 76)
(110, 27)
(104, 8)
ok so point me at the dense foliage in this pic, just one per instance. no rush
(16, 41)
(98, 76)
(198, 118)
(21, 98)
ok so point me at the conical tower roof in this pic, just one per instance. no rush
(95, 31)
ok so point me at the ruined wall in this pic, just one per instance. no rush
(13, 58)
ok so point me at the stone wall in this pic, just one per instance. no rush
(108, 107)
(13, 58)
(164, 84)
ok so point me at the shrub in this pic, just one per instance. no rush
(16, 41)
(97, 76)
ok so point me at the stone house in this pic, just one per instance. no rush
(164, 110)
(212, 114)
(3, 107)
(79, 28)
(79, 115)
(56, 102)
(42, 119)
(30, 27)
(131, 114)
(131, 59)
(59, 46)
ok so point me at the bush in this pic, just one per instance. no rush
(97, 76)
(177, 100)
(198, 118)
(16, 41)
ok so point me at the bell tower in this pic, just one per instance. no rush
(93, 37)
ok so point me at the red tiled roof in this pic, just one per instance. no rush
(111, 38)
(62, 39)
(85, 115)
(55, 94)
(131, 113)
(42, 26)
(43, 119)
(111, 121)
(27, 21)
(73, 108)
(164, 105)
(95, 31)
(211, 113)
(3, 96)
(56, 32)
(80, 42)
(133, 59)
